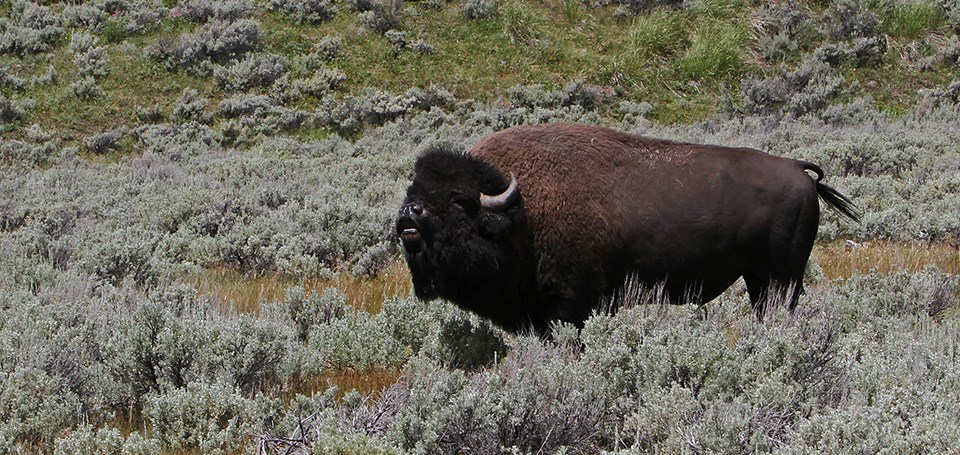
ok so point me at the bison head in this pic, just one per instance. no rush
(461, 226)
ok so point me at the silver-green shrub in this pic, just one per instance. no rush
(191, 106)
(322, 82)
(269, 165)
(8, 79)
(379, 15)
(308, 11)
(635, 7)
(105, 142)
(808, 89)
(356, 340)
(848, 19)
(215, 42)
(175, 341)
(84, 16)
(309, 310)
(104, 441)
(34, 406)
(534, 400)
(574, 94)
(86, 88)
(789, 29)
(10, 110)
(479, 9)
(350, 114)
(254, 71)
(90, 59)
(329, 48)
(211, 417)
(30, 29)
(203, 11)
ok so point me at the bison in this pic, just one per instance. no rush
(538, 223)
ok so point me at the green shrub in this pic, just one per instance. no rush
(114, 31)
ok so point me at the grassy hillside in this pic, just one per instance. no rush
(85, 69)
(197, 201)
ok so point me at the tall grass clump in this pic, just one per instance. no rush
(714, 52)
(911, 19)
(701, 43)
(660, 33)
(521, 22)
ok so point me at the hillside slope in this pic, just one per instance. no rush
(81, 70)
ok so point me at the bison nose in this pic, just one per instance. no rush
(412, 211)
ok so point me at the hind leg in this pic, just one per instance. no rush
(758, 289)
(778, 259)
(764, 290)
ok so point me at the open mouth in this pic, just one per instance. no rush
(409, 235)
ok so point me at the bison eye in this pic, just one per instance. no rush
(465, 202)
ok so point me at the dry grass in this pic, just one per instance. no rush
(370, 382)
(245, 293)
(843, 260)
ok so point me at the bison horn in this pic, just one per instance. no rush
(503, 200)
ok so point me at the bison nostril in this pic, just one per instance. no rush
(417, 210)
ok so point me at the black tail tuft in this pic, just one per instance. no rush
(838, 201)
(833, 197)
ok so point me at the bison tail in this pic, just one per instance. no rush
(838, 201)
(832, 197)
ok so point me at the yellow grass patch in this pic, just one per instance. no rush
(368, 382)
(845, 259)
(245, 293)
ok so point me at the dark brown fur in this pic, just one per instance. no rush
(599, 205)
